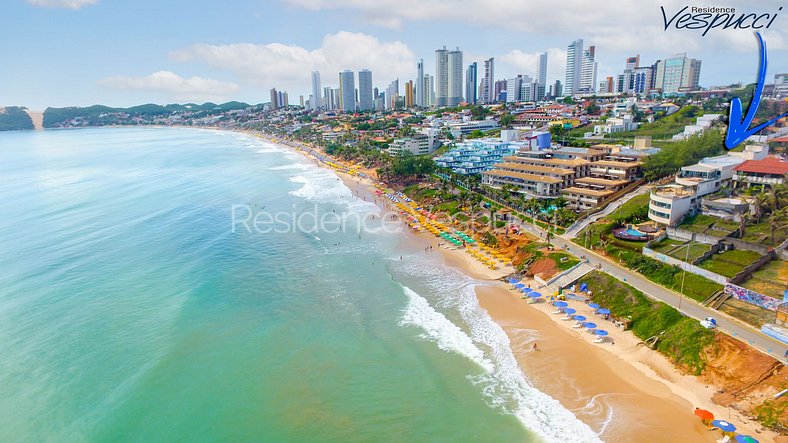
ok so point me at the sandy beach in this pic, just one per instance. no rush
(625, 392)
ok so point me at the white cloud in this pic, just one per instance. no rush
(288, 66)
(174, 86)
(70, 4)
(519, 62)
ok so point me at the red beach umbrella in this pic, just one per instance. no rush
(704, 414)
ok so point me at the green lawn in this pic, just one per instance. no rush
(729, 263)
(695, 251)
(568, 260)
(761, 234)
(698, 222)
(632, 208)
(665, 245)
(771, 280)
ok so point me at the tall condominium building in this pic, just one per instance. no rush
(365, 100)
(315, 102)
(455, 77)
(392, 94)
(471, 83)
(274, 99)
(347, 91)
(420, 83)
(488, 82)
(441, 77)
(557, 89)
(644, 80)
(780, 85)
(541, 76)
(676, 73)
(628, 85)
(409, 94)
(574, 65)
(513, 87)
(328, 99)
(429, 90)
(588, 71)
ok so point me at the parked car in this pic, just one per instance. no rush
(708, 323)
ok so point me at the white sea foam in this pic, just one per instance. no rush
(503, 382)
(448, 336)
(323, 186)
(292, 166)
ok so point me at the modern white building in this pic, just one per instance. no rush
(616, 124)
(513, 89)
(365, 101)
(574, 63)
(441, 77)
(315, 101)
(420, 83)
(419, 144)
(488, 82)
(677, 73)
(588, 71)
(780, 85)
(465, 128)
(429, 90)
(541, 76)
(455, 77)
(347, 91)
(669, 204)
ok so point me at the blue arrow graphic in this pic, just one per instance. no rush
(738, 129)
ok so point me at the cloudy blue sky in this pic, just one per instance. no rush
(126, 52)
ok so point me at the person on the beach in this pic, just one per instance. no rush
(535, 348)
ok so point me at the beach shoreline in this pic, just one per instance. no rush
(623, 391)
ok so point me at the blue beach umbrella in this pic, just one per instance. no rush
(534, 294)
(578, 318)
(589, 325)
(594, 306)
(724, 425)
(603, 311)
(513, 280)
(519, 286)
(569, 311)
(527, 290)
(600, 332)
(745, 439)
(560, 304)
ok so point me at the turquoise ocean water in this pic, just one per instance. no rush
(131, 311)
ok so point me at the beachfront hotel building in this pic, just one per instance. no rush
(769, 171)
(669, 204)
(476, 156)
(586, 177)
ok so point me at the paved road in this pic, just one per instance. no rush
(687, 306)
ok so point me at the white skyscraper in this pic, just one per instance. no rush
(455, 77)
(365, 100)
(541, 76)
(471, 83)
(420, 83)
(588, 71)
(574, 63)
(488, 82)
(429, 90)
(441, 77)
(315, 102)
(347, 91)
(513, 86)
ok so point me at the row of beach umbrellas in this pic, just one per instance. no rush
(592, 327)
(722, 425)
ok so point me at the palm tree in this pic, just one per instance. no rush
(777, 221)
(493, 211)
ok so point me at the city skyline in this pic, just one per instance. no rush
(196, 58)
